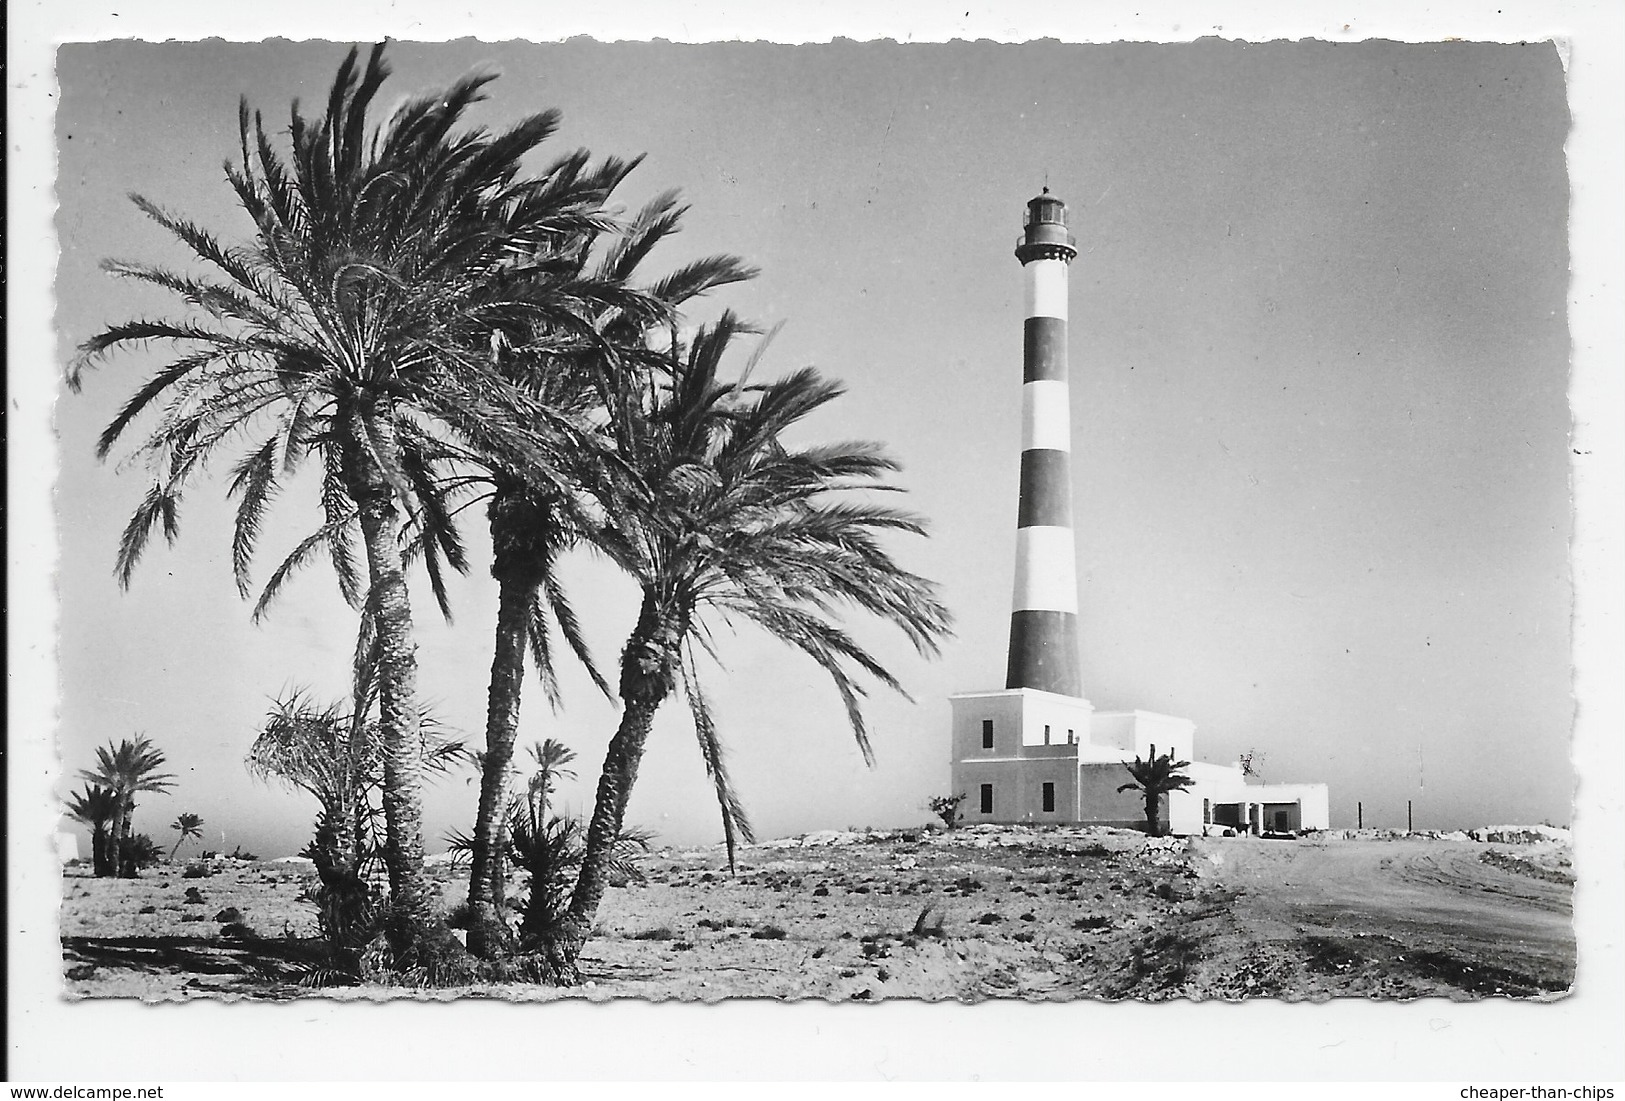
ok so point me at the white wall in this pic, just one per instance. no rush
(1019, 717)
(1020, 761)
(1137, 731)
(1315, 800)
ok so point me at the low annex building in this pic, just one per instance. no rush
(1037, 751)
(1025, 755)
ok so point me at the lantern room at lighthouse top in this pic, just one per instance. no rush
(1047, 237)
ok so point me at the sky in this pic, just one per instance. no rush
(1319, 351)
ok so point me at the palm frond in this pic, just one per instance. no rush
(735, 823)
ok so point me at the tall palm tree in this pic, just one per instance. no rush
(738, 523)
(96, 806)
(533, 525)
(126, 769)
(356, 327)
(1155, 777)
(189, 825)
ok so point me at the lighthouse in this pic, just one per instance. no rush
(1037, 751)
(1044, 613)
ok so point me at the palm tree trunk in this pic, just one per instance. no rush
(399, 719)
(122, 867)
(1151, 798)
(343, 898)
(487, 932)
(99, 863)
(648, 675)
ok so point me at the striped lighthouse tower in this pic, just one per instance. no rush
(1044, 619)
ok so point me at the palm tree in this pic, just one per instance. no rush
(1155, 777)
(189, 825)
(355, 327)
(127, 768)
(96, 807)
(736, 522)
(553, 760)
(338, 757)
(324, 751)
(533, 525)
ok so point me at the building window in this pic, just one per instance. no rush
(1046, 733)
(987, 733)
(1071, 737)
(1207, 812)
(1049, 798)
(987, 798)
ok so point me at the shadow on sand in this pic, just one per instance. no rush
(264, 967)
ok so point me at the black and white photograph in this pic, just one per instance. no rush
(973, 522)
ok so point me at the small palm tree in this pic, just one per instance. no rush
(337, 757)
(189, 825)
(553, 760)
(727, 518)
(96, 807)
(551, 848)
(1155, 777)
(130, 767)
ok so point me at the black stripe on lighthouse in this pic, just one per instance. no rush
(1046, 489)
(1043, 356)
(1044, 652)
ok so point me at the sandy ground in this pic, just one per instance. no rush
(983, 912)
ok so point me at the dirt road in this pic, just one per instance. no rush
(1391, 918)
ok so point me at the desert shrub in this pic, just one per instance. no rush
(946, 807)
(228, 915)
(768, 932)
(238, 930)
(1092, 921)
(197, 871)
(661, 932)
(238, 854)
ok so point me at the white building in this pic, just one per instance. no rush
(1024, 755)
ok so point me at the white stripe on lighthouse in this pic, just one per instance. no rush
(1046, 419)
(1046, 288)
(1046, 571)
